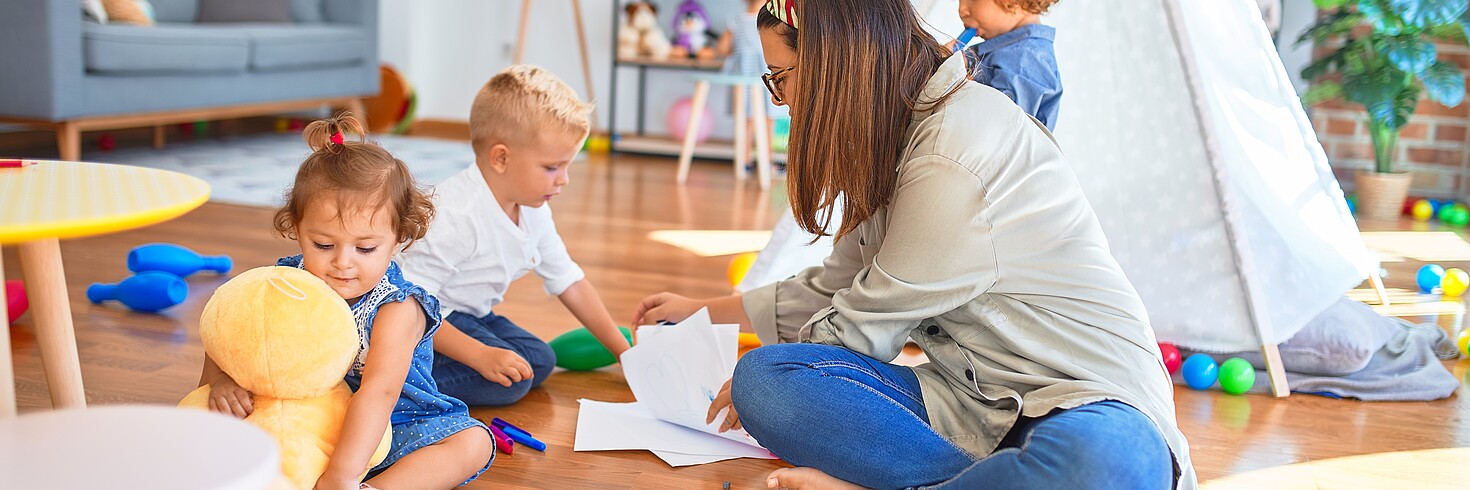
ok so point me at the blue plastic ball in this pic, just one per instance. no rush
(1429, 277)
(1439, 204)
(1200, 371)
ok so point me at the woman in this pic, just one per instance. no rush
(964, 230)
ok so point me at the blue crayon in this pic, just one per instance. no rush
(523, 438)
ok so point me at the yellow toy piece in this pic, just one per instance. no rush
(739, 266)
(1463, 342)
(749, 341)
(286, 337)
(1422, 210)
(1454, 283)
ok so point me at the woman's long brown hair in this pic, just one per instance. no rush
(861, 68)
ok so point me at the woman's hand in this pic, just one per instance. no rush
(502, 366)
(668, 307)
(227, 397)
(722, 400)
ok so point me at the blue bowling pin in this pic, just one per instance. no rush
(176, 260)
(147, 292)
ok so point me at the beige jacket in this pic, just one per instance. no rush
(990, 258)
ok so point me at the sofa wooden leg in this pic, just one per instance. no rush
(158, 139)
(69, 141)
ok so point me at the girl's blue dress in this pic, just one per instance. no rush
(423, 415)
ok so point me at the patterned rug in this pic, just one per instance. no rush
(255, 170)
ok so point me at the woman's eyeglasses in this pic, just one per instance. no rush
(774, 81)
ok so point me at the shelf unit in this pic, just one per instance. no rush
(639, 141)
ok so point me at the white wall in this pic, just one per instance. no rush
(1296, 15)
(449, 48)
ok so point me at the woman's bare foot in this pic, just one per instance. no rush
(806, 478)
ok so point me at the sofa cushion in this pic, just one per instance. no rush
(175, 10)
(297, 46)
(306, 10)
(238, 11)
(166, 48)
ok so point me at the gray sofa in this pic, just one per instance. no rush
(62, 72)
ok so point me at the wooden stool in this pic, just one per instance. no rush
(743, 86)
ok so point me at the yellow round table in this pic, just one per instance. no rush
(42, 202)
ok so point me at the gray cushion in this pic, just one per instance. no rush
(175, 10)
(301, 46)
(244, 11)
(1338, 342)
(163, 48)
(306, 10)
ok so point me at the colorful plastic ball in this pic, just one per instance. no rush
(1200, 371)
(678, 120)
(599, 144)
(1409, 206)
(739, 266)
(1422, 210)
(16, 301)
(1429, 277)
(1172, 358)
(106, 142)
(1454, 283)
(1456, 215)
(1464, 342)
(1352, 204)
(1442, 213)
(282, 125)
(1237, 376)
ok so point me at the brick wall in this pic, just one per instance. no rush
(1433, 145)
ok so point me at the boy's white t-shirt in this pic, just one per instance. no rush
(473, 251)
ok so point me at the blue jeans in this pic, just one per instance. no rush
(463, 382)
(864, 421)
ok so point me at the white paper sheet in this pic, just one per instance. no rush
(675, 371)
(604, 426)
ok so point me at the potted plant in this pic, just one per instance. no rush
(1381, 55)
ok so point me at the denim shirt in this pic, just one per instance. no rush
(1022, 65)
(989, 257)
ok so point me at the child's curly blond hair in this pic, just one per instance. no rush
(1037, 7)
(354, 173)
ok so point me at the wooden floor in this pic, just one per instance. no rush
(605, 216)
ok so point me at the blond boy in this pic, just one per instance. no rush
(493, 227)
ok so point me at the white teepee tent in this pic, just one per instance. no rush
(1193, 148)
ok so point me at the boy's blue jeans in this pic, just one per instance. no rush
(463, 382)
(863, 421)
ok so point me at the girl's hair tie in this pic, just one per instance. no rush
(337, 138)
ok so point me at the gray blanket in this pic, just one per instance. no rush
(1351, 351)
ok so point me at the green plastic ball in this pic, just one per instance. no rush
(1457, 215)
(1237, 376)
(579, 350)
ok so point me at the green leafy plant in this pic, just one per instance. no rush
(1387, 65)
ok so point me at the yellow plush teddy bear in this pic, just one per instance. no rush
(285, 336)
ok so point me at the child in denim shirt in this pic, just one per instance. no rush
(1017, 56)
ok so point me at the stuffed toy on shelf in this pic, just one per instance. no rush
(640, 36)
(693, 36)
(288, 339)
